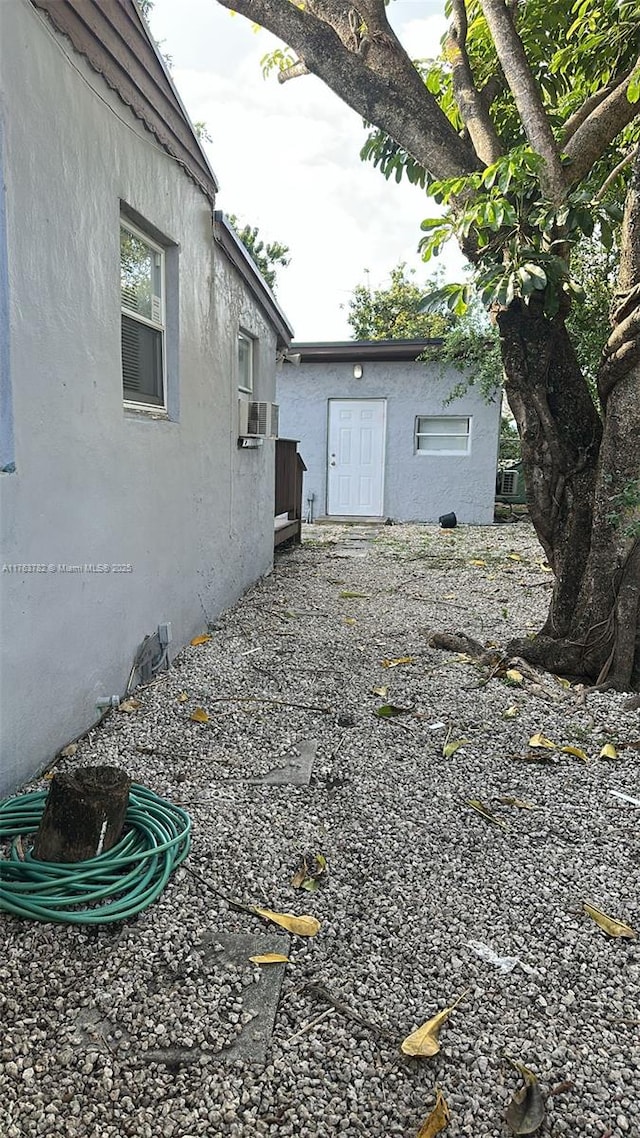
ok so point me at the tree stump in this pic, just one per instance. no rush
(83, 815)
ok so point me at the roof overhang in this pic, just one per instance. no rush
(350, 351)
(228, 240)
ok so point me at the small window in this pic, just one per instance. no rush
(245, 362)
(443, 435)
(142, 297)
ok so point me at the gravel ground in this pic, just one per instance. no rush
(417, 878)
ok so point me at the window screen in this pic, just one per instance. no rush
(142, 301)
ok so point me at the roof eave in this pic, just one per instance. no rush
(230, 243)
(344, 351)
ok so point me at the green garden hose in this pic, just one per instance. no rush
(117, 884)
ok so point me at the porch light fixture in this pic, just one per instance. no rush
(357, 371)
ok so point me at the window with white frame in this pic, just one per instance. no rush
(443, 434)
(245, 361)
(142, 296)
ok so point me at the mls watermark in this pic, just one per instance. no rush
(86, 567)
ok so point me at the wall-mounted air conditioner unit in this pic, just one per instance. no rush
(257, 420)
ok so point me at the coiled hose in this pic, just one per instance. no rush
(117, 884)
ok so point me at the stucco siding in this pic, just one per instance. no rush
(418, 486)
(96, 484)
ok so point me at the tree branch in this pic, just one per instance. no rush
(598, 130)
(473, 110)
(391, 96)
(630, 157)
(524, 88)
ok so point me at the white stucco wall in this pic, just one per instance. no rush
(95, 484)
(418, 486)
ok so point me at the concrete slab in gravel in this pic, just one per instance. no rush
(297, 769)
(260, 1000)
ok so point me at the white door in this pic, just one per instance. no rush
(355, 471)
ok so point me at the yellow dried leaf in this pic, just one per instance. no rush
(540, 740)
(563, 683)
(514, 676)
(449, 596)
(269, 958)
(69, 751)
(199, 715)
(479, 562)
(200, 639)
(609, 924)
(577, 751)
(129, 705)
(299, 926)
(450, 749)
(381, 691)
(398, 660)
(544, 567)
(183, 697)
(510, 712)
(485, 813)
(424, 1041)
(608, 752)
(514, 557)
(438, 1120)
(350, 620)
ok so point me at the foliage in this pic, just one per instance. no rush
(265, 257)
(394, 312)
(594, 267)
(201, 131)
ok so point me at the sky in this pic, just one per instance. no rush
(286, 157)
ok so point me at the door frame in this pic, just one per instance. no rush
(383, 457)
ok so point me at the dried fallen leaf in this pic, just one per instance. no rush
(69, 751)
(269, 958)
(514, 557)
(381, 691)
(424, 1041)
(348, 596)
(478, 561)
(577, 751)
(608, 924)
(526, 1110)
(518, 802)
(484, 811)
(199, 715)
(200, 639)
(608, 752)
(398, 660)
(544, 567)
(510, 712)
(389, 710)
(513, 676)
(350, 620)
(299, 926)
(563, 683)
(183, 697)
(449, 749)
(129, 705)
(312, 867)
(438, 1120)
(540, 740)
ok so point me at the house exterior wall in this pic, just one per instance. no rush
(418, 486)
(186, 516)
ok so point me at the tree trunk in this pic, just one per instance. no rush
(560, 433)
(593, 628)
(84, 814)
